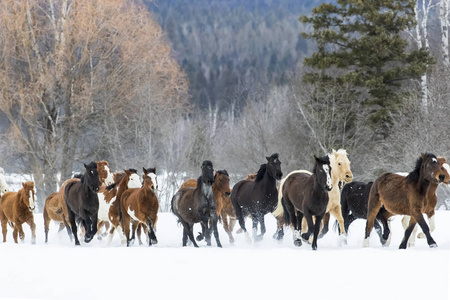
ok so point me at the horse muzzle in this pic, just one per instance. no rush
(31, 208)
(227, 194)
(279, 175)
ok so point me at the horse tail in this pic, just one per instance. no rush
(286, 216)
(279, 209)
(336, 227)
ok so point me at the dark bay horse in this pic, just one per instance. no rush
(139, 206)
(17, 208)
(221, 190)
(306, 196)
(82, 202)
(402, 195)
(257, 197)
(194, 205)
(354, 203)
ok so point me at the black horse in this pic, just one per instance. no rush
(194, 205)
(354, 202)
(258, 197)
(306, 196)
(82, 202)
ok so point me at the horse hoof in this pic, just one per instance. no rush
(199, 237)
(219, 245)
(434, 245)
(314, 248)
(366, 243)
(239, 231)
(298, 243)
(258, 238)
(154, 241)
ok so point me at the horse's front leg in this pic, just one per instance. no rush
(309, 221)
(32, 225)
(262, 227)
(325, 228)
(316, 231)
(255, 228)
(426, 230)
(214, 228)
(337, 213)
(73, 225)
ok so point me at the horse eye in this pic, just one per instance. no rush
(339, 164)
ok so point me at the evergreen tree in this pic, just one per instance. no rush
(360, 44)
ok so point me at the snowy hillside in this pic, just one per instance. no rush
(59, 270)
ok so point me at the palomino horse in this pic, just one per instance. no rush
(82, 202)
(194, 205)
(430, 205)
(140, 207)
(55, 207)
(340, 173)
(17, 208)
(3, 185)
(405, 196)
(306, 196)
(112, 194)
(258, 197)
(221, 190)
(354, 203)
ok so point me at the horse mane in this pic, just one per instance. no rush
(324, 160)
(133, 170)
(78, 175)
(261, 172)
(415, 174)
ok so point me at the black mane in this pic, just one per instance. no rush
(415, 174)
(261, 172)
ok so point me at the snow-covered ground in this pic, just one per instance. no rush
(266, 270)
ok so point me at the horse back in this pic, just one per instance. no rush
(7, 203)
(355, 197)
(241, 194)
(297, 188)
(393, 192)
(183, 205)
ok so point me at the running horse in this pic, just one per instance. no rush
(402, 195)
(17, 208)
(139, 206)
(194, 205)
(221, 190)
(307, 196)
(257, 197)
(82, 202)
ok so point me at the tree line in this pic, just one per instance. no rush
(170, 84)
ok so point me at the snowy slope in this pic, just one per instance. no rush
(59, 270)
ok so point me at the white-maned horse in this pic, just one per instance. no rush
(340, 172)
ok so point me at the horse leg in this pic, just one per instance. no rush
(126, 228)
(316, 231)
(73, 225)
(151, 233)
(337, 213)
(201, 235)
(408, 231)
(262, 228)
(46, 224)
(227, 226)
(214, 228)
(138, 233)
(88, 224)
(309, 220)
(432, 222)
(325, 222)
(279, 234)
(32, 225)
(374, 205)
(15, 233)
(425, 229)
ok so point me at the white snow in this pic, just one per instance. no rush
(266, 270)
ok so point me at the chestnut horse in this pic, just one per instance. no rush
(82, 202)
(17, 208)
(130, 179)
(3, 185)
(306, 196)
(340, 173)
(140, 207)
(430, 205)
(405, 196)
(221, 190)
(258, 197)
(55, 207)
(194, 205)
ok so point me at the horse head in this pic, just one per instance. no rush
(132, 179)
(207, 172)
(222, 182)
(445, 168)
(3, 185)
(105, 175)
(430, 168)
(341, 165)
(28, 195)
(274, 166)
(150, 178)
(322, 171)
(91, 176)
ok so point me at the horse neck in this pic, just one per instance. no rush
(22, 197)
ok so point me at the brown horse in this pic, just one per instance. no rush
(130, 179)
(405, 196)
(17, 208)
(140, 207)
(430, 205)
(221, 190)
(55, 207)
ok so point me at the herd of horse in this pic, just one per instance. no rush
(99, 202)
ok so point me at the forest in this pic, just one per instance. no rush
(168, 84)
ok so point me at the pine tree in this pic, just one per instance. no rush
(360, 44)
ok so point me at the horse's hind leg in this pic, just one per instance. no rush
(4, 222)
(73, 225)
(187, 232)
(408, 231)
(374, 205)
(325, 222)
(151, 233)
(337, 213)
(214, 228)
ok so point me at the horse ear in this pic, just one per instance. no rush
(422, 155)
(267, 158)
(145, 170)
(85, 166)
(316, 159)
(23, 184)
